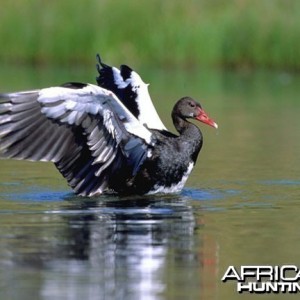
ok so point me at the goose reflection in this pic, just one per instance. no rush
(122, 248)
(110, 248)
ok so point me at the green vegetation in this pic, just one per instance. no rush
(170, 33)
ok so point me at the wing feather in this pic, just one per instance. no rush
(86, 131)
(129, 87)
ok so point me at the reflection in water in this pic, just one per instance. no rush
(126, 252)
(114, 249)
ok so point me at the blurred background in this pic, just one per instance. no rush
(171, 33)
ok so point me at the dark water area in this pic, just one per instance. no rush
(240, 205)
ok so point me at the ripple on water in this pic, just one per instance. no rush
(209, 194)
(280, 182)
(66, 203)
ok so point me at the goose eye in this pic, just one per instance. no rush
(192, 104)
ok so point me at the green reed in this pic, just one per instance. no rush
(169, 33)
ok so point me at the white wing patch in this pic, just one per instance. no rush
(148, 113)
(174, 188)
(72, 105)
(119, 79)
(132, 91)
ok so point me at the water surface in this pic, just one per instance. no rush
(240, 205)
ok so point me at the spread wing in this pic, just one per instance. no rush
(84, 129)
(131, 90)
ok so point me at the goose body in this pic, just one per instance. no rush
(103, 138)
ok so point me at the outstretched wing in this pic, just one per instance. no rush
(131, 90)
(84, 129)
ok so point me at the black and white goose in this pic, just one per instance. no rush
(103, 138)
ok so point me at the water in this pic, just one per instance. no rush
(240, 205)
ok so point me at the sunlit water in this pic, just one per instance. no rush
(240, 205)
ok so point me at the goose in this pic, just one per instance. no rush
(105, 138)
